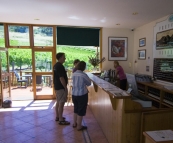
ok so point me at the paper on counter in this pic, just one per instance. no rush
(162, 135)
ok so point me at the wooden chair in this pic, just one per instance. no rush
(39, 82)
(20, 80)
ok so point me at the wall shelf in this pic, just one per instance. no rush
(161, 97)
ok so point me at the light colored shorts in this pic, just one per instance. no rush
(61, 95)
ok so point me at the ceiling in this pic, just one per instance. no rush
(90, 13)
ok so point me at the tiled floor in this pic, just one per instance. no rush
(33, 122)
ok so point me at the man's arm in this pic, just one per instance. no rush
(63, 82)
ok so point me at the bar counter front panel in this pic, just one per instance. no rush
(123, 120)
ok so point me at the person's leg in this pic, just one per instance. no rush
(56, 109)
(82, 106)
(79, 122)
(75, 111)
(57, 105)
(74, 120)
(60, 111)
(62, 100)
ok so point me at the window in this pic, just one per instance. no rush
(2, 41)
(43, 61)
(18, 35)
(43, 36)
(20, 59)
(77, 52)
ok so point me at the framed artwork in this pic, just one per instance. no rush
(117, 48)
(142, 42)
(141, 54)
(164, 40)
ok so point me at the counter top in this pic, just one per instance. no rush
(111, 89)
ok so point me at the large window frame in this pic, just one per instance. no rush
(35, 48)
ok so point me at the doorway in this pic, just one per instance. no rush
(5, 88)
(42, 74)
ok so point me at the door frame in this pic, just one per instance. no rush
(7, 74)
(34, 73)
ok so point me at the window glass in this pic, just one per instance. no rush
(18, 35)
(2, 41)
(43, 61)
(4, 61)
(43, 36)
(20, 59)
(78, 52)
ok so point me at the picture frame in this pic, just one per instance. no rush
(164, 40)
(142, 42)
(141, 54)
(117, 48)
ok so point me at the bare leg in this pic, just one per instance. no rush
(79, 122)
(56, 109)
(60, 110)
(74, 119)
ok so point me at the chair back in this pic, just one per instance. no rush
(16, 74)
(39, 79)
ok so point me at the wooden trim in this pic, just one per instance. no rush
(41, 73)
(43, 97)
(43, 49)
(101, 46)
(3, 49)
(28, 24)
(1, 94)
(9, 75)
(6, 35)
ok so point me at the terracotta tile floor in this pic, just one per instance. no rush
(33, 122)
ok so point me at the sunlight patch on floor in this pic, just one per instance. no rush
(42, 101)
(40, 104)
(36, 108)
(9, 109)
(21, 103)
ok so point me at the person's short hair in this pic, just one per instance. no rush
(116, 62)
(76, 61)
(81, 66)
(59, 55)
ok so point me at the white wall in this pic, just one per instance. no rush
(112, 32)
(146, 31)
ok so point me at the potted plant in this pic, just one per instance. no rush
(95, 60)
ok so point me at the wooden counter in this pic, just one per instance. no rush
(122, 120)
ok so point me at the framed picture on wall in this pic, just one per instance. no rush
(141, 54)
(164, 39)
(142, 42)
(117, 48)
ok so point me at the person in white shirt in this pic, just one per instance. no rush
(80, 95)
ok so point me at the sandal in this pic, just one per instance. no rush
(57, 119)
(64, 123)
(74, 125)
(82, 128)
